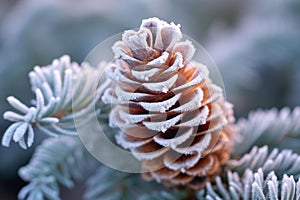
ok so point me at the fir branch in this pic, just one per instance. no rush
(64, 91)
(104, 185)
(272, 127)
(252, 186)
(58, 160)
(280, 162)
(40, 188)
(107, 183)
(165, 195)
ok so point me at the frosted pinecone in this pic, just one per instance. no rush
(170, 114)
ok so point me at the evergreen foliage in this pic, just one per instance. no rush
(64, 91)
(275, 128)
(58, 160)
(265, 156)
(252, 185)
(270, 170)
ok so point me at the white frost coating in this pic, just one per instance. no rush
(215, 127)
(17, 104)
(144, 75)
(215, 88)
(202, 68)
(112, 120)
(30, 136)
(159, 23)
(127, 96)
(215, 93)
(120, 48)
(150, 155)
(198, 147)
(136, 40)
(109, 98)
(49, 120)
(20, 132)
(164, 125)
(212, 98)
(129, 58)
(12, 116)
(57, 83)
(110, 72)
(216, 111)
(9, 133)
(187, 50)
(160, 106)
(199, 76)
(115, 121)
(121, 140)
(161, 86)
(157, 62)
(178, 63)
(174, 141)
(169, 39)
(197, 120)
(116, 75)
(31, 115)
(192, 104)
(191, 161)
(132, 118)
(119, 77)
(164, 176)
(65, 60)
(39, 73)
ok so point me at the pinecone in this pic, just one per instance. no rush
(171, 115)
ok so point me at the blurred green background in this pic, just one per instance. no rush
(255, 44)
